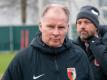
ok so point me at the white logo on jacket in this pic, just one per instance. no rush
(36, 77)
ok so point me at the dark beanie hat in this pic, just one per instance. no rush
(89, 12)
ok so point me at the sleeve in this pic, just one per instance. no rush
(87, 67)
(91, 74)
(99, 50)
(13, 71)
(104, 39)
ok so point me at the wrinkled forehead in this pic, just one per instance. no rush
(83, 19)
(56, 10)
(55, 13)
(57, 6)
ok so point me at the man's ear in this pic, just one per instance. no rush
(97, 30)
(68, 25)
(40, 26)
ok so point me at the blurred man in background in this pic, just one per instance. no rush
(88, 27)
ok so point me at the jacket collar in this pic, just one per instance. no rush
(79, 42)
(37, 43)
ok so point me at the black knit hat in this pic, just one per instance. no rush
(89, 12)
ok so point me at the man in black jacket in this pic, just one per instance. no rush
(87, 26)
(51, 55)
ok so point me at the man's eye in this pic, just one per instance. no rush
(88, 22)
(50, 26)
(61, 27)
(78, 22)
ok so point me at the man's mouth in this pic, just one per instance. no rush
(83, 32)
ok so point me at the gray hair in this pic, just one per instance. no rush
(64, 8)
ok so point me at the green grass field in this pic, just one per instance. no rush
(5, 58)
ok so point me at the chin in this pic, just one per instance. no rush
(55, 45)
(84, 38)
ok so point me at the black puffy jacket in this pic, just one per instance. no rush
(97, 51)
(41, 62)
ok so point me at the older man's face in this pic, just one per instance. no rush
(54, 27)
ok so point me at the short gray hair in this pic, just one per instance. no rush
(64, 8)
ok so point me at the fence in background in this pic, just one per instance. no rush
(16, 37)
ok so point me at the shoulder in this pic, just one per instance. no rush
(79, 55)
(76, 43)
(77, 49)
(102, 30)
(22, 55)
(25, 51)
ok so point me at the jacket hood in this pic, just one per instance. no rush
(38, 44)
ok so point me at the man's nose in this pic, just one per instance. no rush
(82, 26)
(56, 31)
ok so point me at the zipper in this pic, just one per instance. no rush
(56, 65)
(57, 68)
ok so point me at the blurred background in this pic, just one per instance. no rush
(19, 23)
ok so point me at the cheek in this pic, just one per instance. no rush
(46, 33)
(64, 34)
(77, 29)
(92, 32)
(44, 30)
(45, 36)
